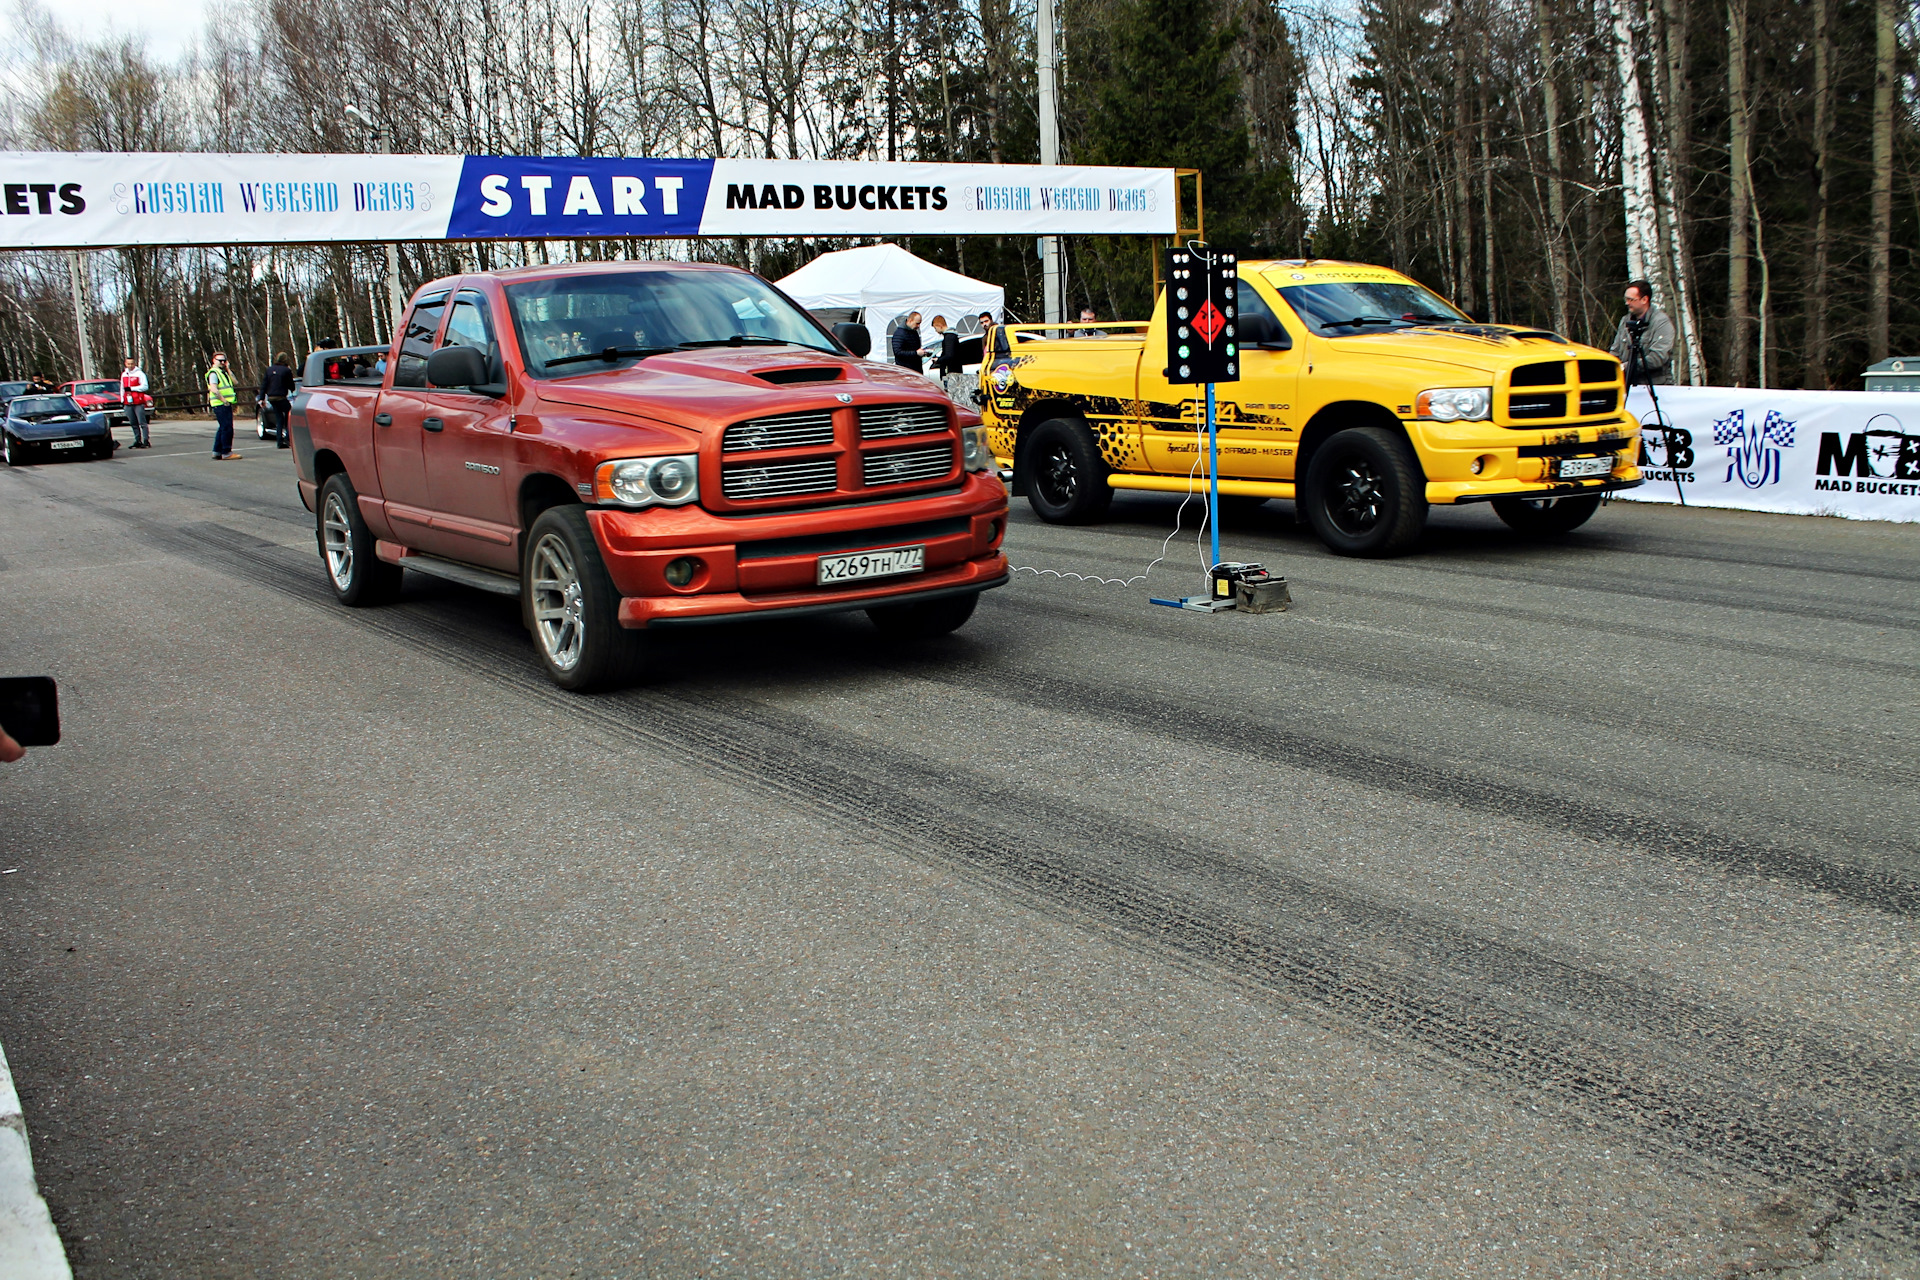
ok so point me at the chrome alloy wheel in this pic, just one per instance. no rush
(1354, 498)
(337, 540)
(558, 612)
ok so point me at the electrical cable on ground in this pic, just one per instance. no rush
(1178, 516)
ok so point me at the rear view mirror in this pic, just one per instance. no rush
(457, 367)
(854, 337)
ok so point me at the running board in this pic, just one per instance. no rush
(1180, 484)
(466, 575)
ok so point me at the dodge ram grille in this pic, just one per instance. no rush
(881, 421)
(784, 431)
(778, 479)
(903, 466)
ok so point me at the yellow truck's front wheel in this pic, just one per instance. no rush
(1066, 478)
(1365, 494)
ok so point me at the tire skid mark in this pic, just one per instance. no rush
(1731, 736)
(1600, 625)
(1778, 1103)
(1270, 740)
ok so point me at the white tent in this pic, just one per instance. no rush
(887, 282)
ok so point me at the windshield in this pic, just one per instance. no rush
(14, 388)
(566, 324)
(1349, 307)
(95, 388)
(37, 408)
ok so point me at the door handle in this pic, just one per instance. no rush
(433, 424)
(382, 419)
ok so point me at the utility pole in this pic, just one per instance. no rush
(77, 276)
(395, 301)
(1049, 154)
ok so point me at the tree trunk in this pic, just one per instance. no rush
(1636, 161)
(1819, 285)
(1740, 193)
(1556, 189)
(1879, 268)
(1673, 101)
(1462, 165)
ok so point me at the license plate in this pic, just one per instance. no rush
(66, 444)
(870, 564)
(1576, 468)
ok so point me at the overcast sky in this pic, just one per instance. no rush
(170, 25)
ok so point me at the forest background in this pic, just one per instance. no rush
(1755, 158)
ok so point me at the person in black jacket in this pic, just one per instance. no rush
(906, 343)
(276, 396)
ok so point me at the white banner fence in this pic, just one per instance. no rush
(1825, 453)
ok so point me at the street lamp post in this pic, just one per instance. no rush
(1049, 154)
(394, 299)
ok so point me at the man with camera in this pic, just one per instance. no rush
(1644, 342)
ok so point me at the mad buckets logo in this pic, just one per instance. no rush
(1753, 448)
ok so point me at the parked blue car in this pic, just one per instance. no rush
(50, 425)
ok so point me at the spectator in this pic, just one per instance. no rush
(221, 398)
(992, 341)
(947, 362)
(906, 343)
(1086, 321)
(134, 396)
(276, 397)
(1646, 327)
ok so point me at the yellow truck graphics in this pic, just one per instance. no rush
(1363, 397)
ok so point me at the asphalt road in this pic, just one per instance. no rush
(1503, 910)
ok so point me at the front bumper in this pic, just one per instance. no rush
(1516, 464)
(764, 566)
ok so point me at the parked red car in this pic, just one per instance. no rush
(628, 447)
(98, 395)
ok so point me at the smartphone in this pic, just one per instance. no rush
(30, 710)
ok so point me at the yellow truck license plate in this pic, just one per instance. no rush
(884, 563)
(1580, 468)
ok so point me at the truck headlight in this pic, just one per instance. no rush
(975, 450)
(1455, 404)
(648, 482)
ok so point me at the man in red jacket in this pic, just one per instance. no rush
(134, 398)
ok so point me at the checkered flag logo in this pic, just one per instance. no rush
(1753, 449)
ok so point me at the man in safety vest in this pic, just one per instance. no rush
(221, 396)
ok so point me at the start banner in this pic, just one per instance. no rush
(1827, 453)
(82, 200)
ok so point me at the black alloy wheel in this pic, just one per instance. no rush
(1546, 517)
(14, 450)
(1066, 476)
(1365, 493)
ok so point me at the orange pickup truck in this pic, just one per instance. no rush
(628, 447)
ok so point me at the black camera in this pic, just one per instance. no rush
(1637, 324)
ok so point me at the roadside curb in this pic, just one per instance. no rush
(29, 1246)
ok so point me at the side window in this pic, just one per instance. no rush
(417, 343)
(1258, 325)
(468, 325)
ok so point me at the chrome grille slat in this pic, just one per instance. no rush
(904, 466)
(791, 479)
(782, 431)
(884, 421)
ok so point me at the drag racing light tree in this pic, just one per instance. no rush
(1202, 343)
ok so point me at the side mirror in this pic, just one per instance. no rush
(456, 367)
(854, 337)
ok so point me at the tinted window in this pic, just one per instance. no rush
(417, 344)
(1357, 306)
(467, 326)
(1258, 325)
(95, 388)
(580, 316)
(37, 407)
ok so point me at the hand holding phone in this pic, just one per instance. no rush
(30, 711)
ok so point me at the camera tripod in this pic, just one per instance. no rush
(1638, 355)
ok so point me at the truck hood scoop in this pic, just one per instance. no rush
(709, 389)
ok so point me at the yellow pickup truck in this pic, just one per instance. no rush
(1363, 396)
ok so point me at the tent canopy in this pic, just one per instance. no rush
(886, 282)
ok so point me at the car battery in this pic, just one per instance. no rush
(1226, 574)
(1262, 593)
